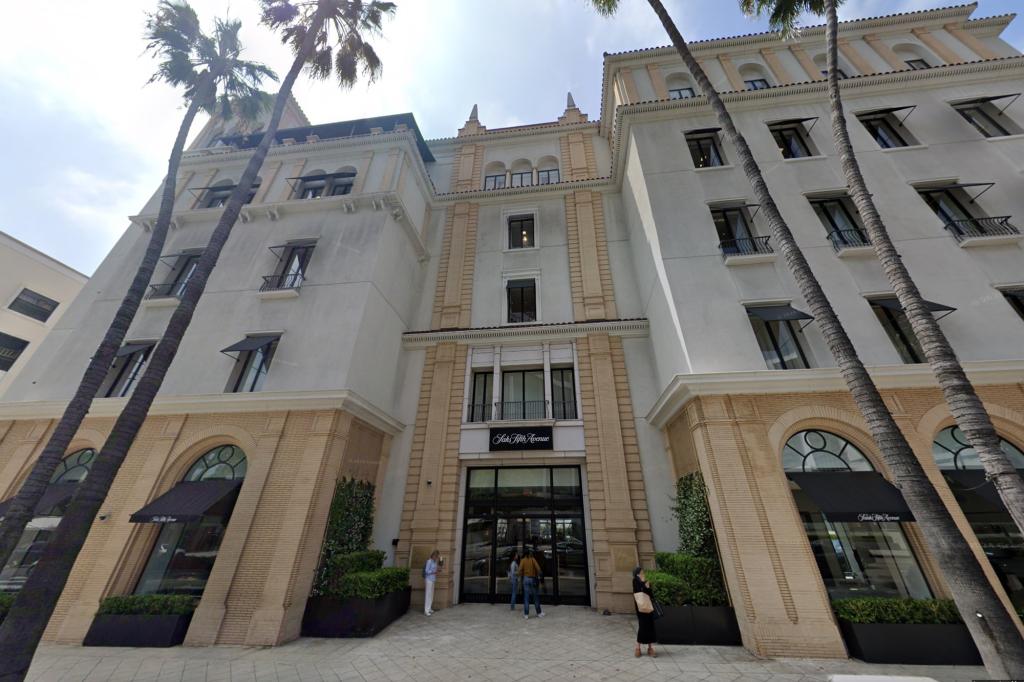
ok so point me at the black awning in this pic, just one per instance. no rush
(790, 121)
(251, 343)
(279, 249)
(959, 185)
(134, 347)
(994, 98)
(853, 495)
(186, 502)
(894, 304)
(973, 491)
(323, 176)
(771, 313)
(54, 495)
(701, 131)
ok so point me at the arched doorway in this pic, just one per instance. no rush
(853, 519)
(193, 517)
(978, 499)
(71, 471)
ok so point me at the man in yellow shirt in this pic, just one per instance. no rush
(529, 571)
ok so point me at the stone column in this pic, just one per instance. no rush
(937, 46)
(548, 407)
(885, 52)
(731, 73)
(967, 38)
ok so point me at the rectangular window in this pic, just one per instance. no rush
(681, 93)
(218, 197)
(705, 151)
(918, 64)
(897, 327)
(524, 179)
(734, 233)
(10, 348)
(1015, 297)
(342, 183)
(950, 209)
(984, 118)
(563, 393)
(181, 273)
(522, 300)
(522, 394)
(756, 84)
(780, 343)
(494, 181)
(839, 218)
(292, 270)
(792, 140)
(884, 130)
(251, 368)
(313, 190)
(520, 232)
(125, 370)
(36, 306)
(481, 397)
(548, 177)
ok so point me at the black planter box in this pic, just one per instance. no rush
(355, 617)
(118, 630)
(911, 644)
(698, 625)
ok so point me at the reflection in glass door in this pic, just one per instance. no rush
(511, 510)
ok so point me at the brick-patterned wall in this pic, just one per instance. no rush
(590, 275)
(578, 160)
(453, 297)
(468, 171)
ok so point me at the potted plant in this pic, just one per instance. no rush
(910, 631)
(145, 620)
(692, 596)
(357, 597)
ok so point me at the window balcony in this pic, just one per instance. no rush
(520, 410)
(748, 250)
(172, 290)
(564, 410)
(850, 242)
(983, 231)
(284, 285)
(479, 413)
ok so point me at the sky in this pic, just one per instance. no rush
(86, 141)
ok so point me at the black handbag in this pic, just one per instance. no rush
(658, 611)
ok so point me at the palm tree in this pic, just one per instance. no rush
(327, 37)
(991, 626)
(214, 78)
(964, 404)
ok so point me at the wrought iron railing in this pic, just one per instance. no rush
(845, 239)
(563, 409)
(522, 409)
(981, 227)
(167, 290)
(746, 247)
(286, 280)
(480, 413)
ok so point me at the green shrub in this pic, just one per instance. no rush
(696, 534)
(369, 584)
(5, 605)
(349, 528)
(357, 562)
(891, 610)
(149, 605)
(668, 590)
(701, 576)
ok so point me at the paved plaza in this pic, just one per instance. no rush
(469, 642)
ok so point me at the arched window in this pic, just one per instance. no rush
(313, 185)
(218, 193)
(679, 86)
(980, 502)
(342, 181)
(522, 173)
(71, 471)
(821, 61)
(755, 77)
(547, 171)
(494, 175)
(856, 558)
(193, 518)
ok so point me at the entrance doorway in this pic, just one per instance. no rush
(514, 509)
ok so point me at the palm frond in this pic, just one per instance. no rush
(605, 7)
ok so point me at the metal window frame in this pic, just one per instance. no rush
(495, 178)
(548, 172)
(509, 287)
(970, 112)
(710, 135)
(798, 132)
(1015, 297)
(533, 230)
(912, 346)
(776, 348)
(692, 91)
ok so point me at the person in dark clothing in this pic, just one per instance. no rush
(645, 633)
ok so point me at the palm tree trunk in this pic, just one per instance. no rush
(990, 625)
(22, 507)
(964, 403)
(24, 625)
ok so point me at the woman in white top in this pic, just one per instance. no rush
(429, 576)
(513, 577)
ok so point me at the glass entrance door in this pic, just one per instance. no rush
(514, 509)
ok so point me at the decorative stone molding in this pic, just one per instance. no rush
(634, 328)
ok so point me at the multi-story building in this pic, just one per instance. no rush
(525, 335)
(35, 290)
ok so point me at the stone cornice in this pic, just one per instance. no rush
(685, 387)
(533, 191)
(218, 403)
(514, 132)
(634, 328)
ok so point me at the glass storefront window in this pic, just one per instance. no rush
(856, 559)
(481, 484)
(566, 484)
(524, 484)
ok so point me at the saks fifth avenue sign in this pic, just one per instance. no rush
(522, 438)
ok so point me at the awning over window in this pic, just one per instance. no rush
(129, 348)
(181, 254)
(54, 495)
(894, 304)
(702, 131)
(186, 502)
(792, 122)
(985, 100)
(771, 313)
(973, 491)
(960, 185)
(251, 343)
(279, 249)
(853, 495)
(878, 113)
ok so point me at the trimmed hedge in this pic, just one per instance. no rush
(149, 605)
(368, 584)
(696, 534)
(668, 589)
(349, 528)
(357, 562)
(700, 576)
(890, 610)
(5, 605)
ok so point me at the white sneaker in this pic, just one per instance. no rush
(428, 613)
(540, 615)
(526, 617)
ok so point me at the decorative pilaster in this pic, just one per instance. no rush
(453, 297)
(270, 170)
(967, 38)
(629, 86)
(854, 56)
(809, 67)
(578, 160)
(735, 80)
(885, 52)
(782, 76)
(657, 81)
(937, 46)
(590, 277)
